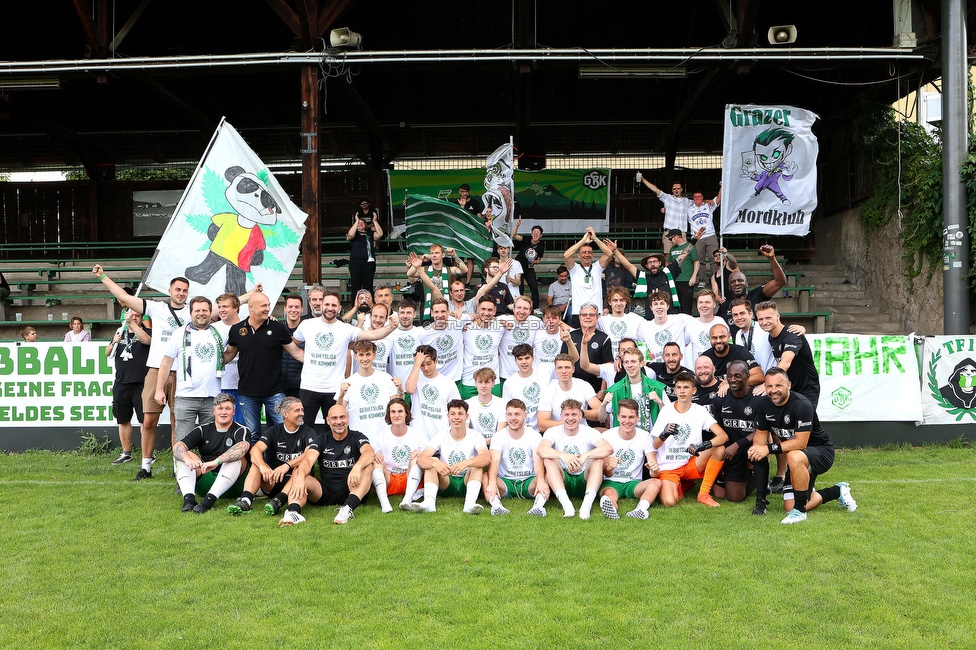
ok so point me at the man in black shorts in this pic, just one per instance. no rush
(345, 461)
(736, 412)
(274, 456)
(219, 467)
(788, 416)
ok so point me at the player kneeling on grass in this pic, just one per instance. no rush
(516, 469)
(219, 469)
(345, 461)
(397, 447)
(573, 455)
(274, 456)
(681, 452)
(461, 466)
(622, 470)
(809, 452)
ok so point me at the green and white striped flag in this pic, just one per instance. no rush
(433, 221)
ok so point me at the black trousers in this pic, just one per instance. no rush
(361, 275)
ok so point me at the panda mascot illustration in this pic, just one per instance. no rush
(237, 243)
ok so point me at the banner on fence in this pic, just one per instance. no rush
(559, 200)
(55, 385)
(769, 170)
(949, 380)
(866, 377)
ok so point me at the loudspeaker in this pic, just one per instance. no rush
(781, 34)
(343, 37)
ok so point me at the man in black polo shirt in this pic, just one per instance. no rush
(784, 424)
(599, 350)
(345, 460)
(219, 467)
(738, 288)
(260, 341)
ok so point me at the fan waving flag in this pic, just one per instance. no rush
(769, 170)
(233, 228)
(433, 221)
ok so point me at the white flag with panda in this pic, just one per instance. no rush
(769, 170)
(233, 228)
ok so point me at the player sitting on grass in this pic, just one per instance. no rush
(677, 436)
(345, 460)
(274, 456)
(461, 466)
(622, 470)
(395, 468)
(219, 469)
(516, 469)
(573, 456)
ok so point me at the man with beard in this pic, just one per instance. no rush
(440, 274)
(560, 292)
(708, 385)
(722, 352)
(327, 341)
(739, 289)
(665, 371)
(791, 419)
(587, 275)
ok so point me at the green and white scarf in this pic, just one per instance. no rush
(640, 291)
(445, 288)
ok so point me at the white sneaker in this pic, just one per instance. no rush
(638, 514)
(845, 498)
(291, 518)
(606, 505)
(538, 511)
(794, 516)
(345, 514)
(476, 509)
(500, 510)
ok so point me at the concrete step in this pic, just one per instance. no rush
(856, 314)
(869, 327)
(837, 289)
(836, 304)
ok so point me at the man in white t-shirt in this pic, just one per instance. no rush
(619, 324)
(196, 353)
(228, 308)
(396, 450)
(664, 328)
(486, 412)
(573, 454)
(525, 385)
(327, 340)
(587, 276)
(682, 454)
(367, 392)
(700, 216)
(697, 329)
(624, 468)
(430, 392)
(520, 328)
(403, 340)
(565, 387)
(446, 335)
(379, 316)
(166, 318)
(516, 469)
(549, 341)
(461, 466)
(482, 337)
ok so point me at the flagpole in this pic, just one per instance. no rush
(179, 206)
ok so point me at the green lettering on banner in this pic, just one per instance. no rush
(82, 366)
(6, 363)
(28, 361)
(56, 359)
(869, 354)
(833, 356)
(891, 348)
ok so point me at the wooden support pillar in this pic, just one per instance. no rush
(312, 242)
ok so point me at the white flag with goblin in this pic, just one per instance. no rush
(769, 170)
